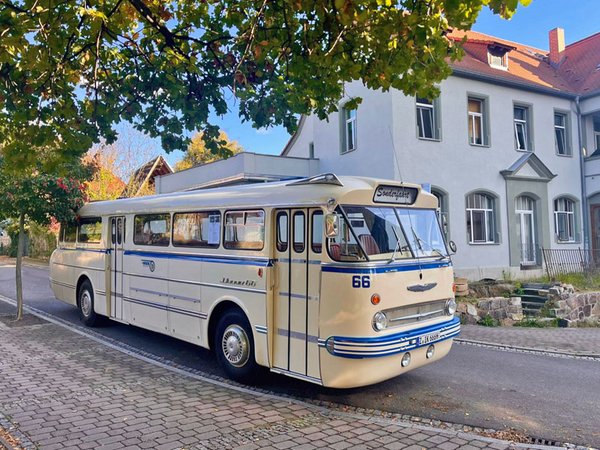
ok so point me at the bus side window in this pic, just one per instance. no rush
(299, 232)
(317, 232)
(282, 231)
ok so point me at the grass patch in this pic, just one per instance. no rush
(533, 322)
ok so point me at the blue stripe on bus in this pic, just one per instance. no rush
(388, 268)
(217, 259)
(81, 249)
(392, 338)
(166, 307)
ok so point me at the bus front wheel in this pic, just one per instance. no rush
(85, 302)
(234, 346)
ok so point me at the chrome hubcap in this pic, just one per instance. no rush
(86, 303)
(235, 345)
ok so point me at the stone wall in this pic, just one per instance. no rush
(572, 308)
(504, 310)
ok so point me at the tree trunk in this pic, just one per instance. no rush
(18, 277)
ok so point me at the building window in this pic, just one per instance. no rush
(427, 119)
(498, 57)
(477, 122)
(564, 219)
(521, 118)
(481, 219)
(349, 132)
(561, 135)
(311, 150)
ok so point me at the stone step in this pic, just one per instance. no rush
(530, 298)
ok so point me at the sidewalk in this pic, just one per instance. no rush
(570, 341)
(63, 390)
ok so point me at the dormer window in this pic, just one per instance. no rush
(498, 56)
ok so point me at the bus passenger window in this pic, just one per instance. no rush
(90, 230)
(68, 232)
(244, 230)
(317, 232)
(201, 229)
(282, 231)
(152, 229)
(299, 232)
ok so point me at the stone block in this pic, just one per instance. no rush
(508, 322)
(515, 301)
(587, 310)
(555, 291)
(472, 310)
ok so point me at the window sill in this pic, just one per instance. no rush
(348, 151)
(567, 242)
(524, 150)
(565, 155)
(483, 243)
(480, 145)
(429, 139)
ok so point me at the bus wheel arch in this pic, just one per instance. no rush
(232, 341)
(85, 301)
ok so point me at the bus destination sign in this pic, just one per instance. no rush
(395, 194)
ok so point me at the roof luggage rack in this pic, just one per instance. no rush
(324, 178)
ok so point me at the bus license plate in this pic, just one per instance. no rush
(431, 337)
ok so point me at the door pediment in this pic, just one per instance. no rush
(528, 167)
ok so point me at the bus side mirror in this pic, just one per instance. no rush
(332, 222)
(452, 247)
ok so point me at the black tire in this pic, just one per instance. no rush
(85, 303)
(234, 347)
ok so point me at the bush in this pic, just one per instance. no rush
(533, 322)
(42, 242)
(488, 321)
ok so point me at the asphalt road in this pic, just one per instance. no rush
(544, 397)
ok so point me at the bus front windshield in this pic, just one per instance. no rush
(377, 233)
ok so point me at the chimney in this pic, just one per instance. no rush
(557, 45)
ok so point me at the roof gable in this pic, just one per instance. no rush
(528, 167)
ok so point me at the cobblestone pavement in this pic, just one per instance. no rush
(65, 391)
(574, 341)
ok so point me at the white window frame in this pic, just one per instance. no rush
(432, 107)
(565, 134)
(597, 139)
(349, 119)
(524, 124)
(489, 217)
(472, 116)
(561, 209)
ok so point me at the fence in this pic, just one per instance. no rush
(562, 261)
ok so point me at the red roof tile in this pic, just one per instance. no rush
(577, 72)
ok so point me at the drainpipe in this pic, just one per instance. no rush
(584, 199)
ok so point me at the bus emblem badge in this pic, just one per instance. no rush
(149, 264)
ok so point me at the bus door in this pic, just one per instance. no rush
(296, 308)
(117, 240)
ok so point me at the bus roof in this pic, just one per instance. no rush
(306, 192)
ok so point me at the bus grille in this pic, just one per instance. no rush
(419, 312)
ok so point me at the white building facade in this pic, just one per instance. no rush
(508, 147)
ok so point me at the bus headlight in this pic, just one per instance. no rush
(450, 307)
(379, 321)
(405, 360)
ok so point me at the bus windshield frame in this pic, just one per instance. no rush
(377, 233)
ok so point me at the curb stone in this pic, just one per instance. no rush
(323, 408)
(532, 350)
(10, 427)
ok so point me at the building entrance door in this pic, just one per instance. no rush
(526, 229)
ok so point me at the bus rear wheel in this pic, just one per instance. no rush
(234, 346)
(85, 302)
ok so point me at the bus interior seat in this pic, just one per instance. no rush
(369, 244)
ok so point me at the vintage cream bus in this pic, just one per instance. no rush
(342, 281)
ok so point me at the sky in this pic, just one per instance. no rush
(529, 25)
